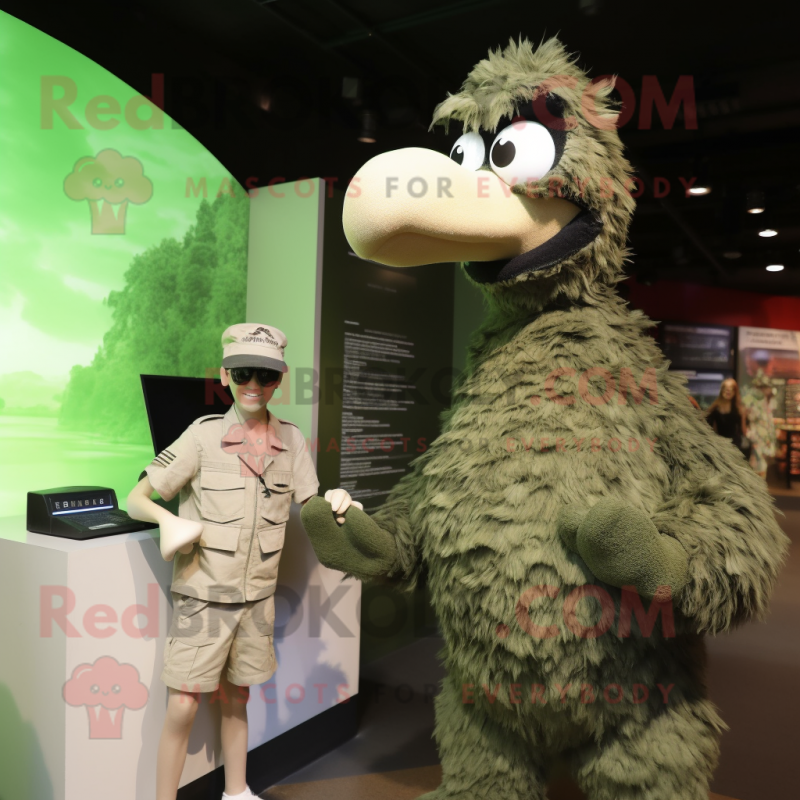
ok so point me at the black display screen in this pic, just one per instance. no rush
(173, 404)
(698, 346)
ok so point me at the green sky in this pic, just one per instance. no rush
(55, 273)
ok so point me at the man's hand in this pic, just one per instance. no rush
(178, 535)
(340, 501)
(356, 545)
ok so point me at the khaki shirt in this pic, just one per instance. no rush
(237, 557)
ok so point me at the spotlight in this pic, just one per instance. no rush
(775, 268)
(368, 127)
(767, 232)
(702, 174)
(755, 203)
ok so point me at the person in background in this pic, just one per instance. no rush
(758, 403)
(728, 417)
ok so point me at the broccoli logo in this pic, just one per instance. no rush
(109, 181)
(106, 688)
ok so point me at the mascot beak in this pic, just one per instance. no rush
(415, 206)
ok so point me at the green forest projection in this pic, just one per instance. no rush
(168, 320)
(123, 244)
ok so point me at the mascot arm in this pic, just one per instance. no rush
(714, 553)
(622, 547)
(714, 543)
(726, 523)
(380, 547)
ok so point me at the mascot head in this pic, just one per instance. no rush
(534, 198)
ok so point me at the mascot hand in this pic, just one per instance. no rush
(358, 546)
(622, 547)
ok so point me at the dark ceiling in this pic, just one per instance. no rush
(223, 61)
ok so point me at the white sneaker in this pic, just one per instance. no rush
(245, 795)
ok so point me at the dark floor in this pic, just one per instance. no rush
(753, 678)
(754, 674)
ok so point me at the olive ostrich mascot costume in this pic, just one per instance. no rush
(580, 524)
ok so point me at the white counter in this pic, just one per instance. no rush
(118, 606)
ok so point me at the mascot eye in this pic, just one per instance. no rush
(469, 151)
(524, 151)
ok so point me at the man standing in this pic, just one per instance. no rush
(237, 475)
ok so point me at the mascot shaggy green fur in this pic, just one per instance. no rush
(580, 524)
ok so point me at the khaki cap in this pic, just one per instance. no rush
(251, 344)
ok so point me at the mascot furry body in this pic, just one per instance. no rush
(574, 494)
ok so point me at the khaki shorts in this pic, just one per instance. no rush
(206, 637)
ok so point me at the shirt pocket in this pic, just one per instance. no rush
(271, 539)
(262, 576)
(221, 569)
(276, 507)
(221, 495)
(220, 537)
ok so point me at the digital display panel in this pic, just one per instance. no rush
(698, 346)
(76, 503)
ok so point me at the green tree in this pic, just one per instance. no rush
(167, 320)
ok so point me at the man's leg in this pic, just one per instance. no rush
(233, 705)
(181, 711)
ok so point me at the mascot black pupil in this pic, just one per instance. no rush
(503, 153)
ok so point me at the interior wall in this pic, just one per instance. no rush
(690, 302)
(316, 611)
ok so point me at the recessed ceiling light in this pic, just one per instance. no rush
(732, 254)
(698, 190)
(369, 126)
(767, 232)
(755, 202)
(775, 268)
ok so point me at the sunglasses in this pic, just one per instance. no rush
(265, 377)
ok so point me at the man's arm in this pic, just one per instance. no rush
(167, 474)
(177, 534)
(141, 505)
